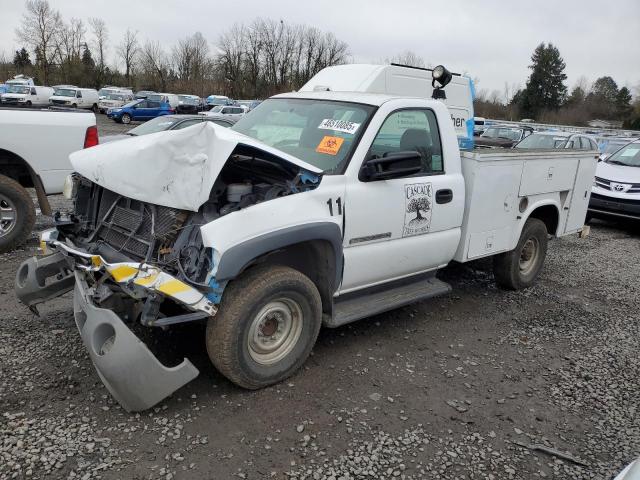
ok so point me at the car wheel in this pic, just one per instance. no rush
(126, 118)
(73, 105)
(520, 267)
(268, 322)
(29, 103)
(17, 214)
(94, 108)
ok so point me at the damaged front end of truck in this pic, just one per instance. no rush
(132, 248)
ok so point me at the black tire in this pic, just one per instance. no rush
(13, 195)
(229, 333)
(126, 119)
(73, 105)
(94, 108)
(29, 103)
(520, 267)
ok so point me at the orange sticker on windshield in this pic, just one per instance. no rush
(330, 145)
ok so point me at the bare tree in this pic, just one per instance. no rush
(128, 50)
(409, 58)
(40, 25)
(155, 64)
(101, 37)
(191, 62)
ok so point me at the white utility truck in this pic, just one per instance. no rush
(34, 153)
(320, 207)
(27, 96)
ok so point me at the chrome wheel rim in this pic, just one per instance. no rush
(529, 256)
(126, 119)
(275, 331)
(8, 215)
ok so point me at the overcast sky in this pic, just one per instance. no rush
(491, 40)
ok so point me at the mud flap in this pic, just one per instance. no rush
(42, 279)
(131, 373)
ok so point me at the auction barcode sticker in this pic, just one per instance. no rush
(339, 126)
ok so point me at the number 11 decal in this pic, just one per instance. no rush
(338, 204)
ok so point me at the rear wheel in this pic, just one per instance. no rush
(126, 119)
(94, 108)
(267, 324)
(17, 214)
(520, 267)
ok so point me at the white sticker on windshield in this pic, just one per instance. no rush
(339, 126)
(630, 152)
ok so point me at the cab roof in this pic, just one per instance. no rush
(374, 99)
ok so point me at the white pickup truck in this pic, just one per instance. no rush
(34, 153)
(320, 207)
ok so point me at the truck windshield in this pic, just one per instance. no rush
(628, 156)
(65, 92)
(18, 89)
(539, 140)
(320, 132)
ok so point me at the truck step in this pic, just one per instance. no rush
(371, 302)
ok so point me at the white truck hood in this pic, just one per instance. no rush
(175, 168)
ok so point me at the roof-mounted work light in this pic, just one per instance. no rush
(440, 79)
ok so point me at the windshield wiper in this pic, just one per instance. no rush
(617, 162)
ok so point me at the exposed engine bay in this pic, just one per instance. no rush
(121, 229)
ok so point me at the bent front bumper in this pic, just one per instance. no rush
(131, 373)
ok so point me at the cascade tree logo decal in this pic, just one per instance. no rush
(417, 217)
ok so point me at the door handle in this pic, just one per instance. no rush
(444, 196)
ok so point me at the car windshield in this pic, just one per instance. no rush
(613, 147)
(158, 124)
(18, 89)
(320, 132)
(217, 109)
(628, 156)
(188, 100)
(116, 96)
(500, 132)
(542, 140)
(154, 97)
(65, 92)
(131, 104)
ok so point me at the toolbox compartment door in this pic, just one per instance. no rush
(546, 176)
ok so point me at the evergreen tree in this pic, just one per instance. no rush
(21, 59)
(545, 89)
(577, 96)
(623, 103)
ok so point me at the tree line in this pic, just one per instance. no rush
(264, 57)
(252, 60)
(545, 96)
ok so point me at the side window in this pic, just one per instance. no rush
(33, 91)
(226, 110)
(152, 104)
(585, 143)
(79, 94)
(410, 130)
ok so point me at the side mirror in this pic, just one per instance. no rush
(392, 165)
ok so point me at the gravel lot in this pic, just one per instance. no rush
(477, 384)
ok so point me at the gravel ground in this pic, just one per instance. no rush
(481, 383)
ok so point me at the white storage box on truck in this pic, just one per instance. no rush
(321, 207)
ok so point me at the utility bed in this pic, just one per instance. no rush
(504, 185)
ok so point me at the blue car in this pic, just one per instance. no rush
(139, 110)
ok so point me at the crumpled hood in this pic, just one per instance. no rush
(175, 168)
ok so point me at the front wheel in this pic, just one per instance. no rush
(29, 104)
(268, 322)
(520, 267)
(126, 119)
(17, 214)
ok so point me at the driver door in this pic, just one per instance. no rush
(404, 225)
